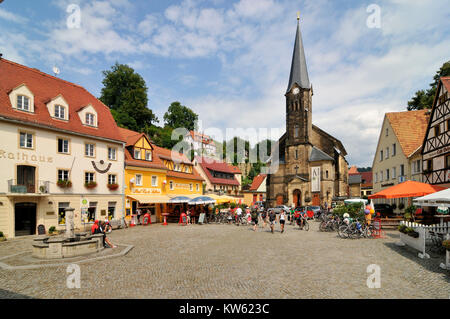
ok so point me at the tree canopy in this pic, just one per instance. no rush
(424, 99)
(125, 93)
(180, 116)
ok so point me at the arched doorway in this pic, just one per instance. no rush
(25, 219)
(297, 198)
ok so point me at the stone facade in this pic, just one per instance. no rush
(305, 149)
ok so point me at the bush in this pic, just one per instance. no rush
(1, 234)
(52, 229)
(354, 210)
(446, 244)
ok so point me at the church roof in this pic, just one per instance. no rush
(299, 71)
(319, 155)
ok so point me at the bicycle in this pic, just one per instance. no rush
(305, 223)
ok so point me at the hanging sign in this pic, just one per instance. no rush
(315, 179)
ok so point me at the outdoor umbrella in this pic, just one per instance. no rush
(179, 200)
(437, 199)
(220, 199)
(407, 189)
(201, 200)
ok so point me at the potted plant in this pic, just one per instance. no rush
(64, 183)
(113, 187)
(52, 230)
(90, 185)
(2, 236)
(411, 232)
(402, 229)
(446, 244)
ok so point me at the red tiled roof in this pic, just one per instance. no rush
(257, 181)
(236, 169)
(410, 128)
(155, 163)
(165, 153)
(131, 137)
(45, 88)
(353, 170)
(212, 165)
(199, 137)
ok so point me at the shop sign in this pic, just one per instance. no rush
(182, 186)
(84, 203)
(436, 153)
(146, 191)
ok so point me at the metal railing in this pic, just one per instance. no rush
(41, 187)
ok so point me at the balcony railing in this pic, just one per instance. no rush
(43, 187)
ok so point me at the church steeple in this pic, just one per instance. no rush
(299, 71)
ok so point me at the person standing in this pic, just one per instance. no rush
(138, 213)
(254, 214)
(282, 220)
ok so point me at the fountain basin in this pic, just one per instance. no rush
(45, 247)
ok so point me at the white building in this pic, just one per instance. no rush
(60, 147)
(201, 144)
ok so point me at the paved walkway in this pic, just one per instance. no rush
(226, 261)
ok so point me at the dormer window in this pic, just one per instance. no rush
(23, 103)
(60, 112)
(148, 155)
(137, 154)
(90, 119)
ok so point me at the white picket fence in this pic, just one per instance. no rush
(420, 243)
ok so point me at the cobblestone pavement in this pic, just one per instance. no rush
(226, 261)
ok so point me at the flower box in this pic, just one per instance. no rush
(113, 187)
(90, 185)
(64, 184)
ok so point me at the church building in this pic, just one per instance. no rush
(312, 168)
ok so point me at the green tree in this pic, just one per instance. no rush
(424, 99)
(125, 93)
(180, 116)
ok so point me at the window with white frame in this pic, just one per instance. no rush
(148, 155)
(154, 181)
(23, 103)
(63, 146)
(387, 152)
(112, 153)
(112, 179)
(394, 173)
(90, 119)
(138, 178)
(89, 150)
(63, 175)
(26, 140)
(137, 153)
(60, 112)
(89, 177)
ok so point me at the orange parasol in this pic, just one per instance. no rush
(407, 189)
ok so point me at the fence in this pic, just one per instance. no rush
(442, 228)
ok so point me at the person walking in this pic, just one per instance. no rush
(254, 215)
(282, 220)
(238, 215)
(272, 218)
(264, 217)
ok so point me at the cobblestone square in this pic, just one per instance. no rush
(226, 261)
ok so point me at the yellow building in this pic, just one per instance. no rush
(154, 177)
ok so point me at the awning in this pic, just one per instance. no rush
(151, 199)
(407, 189)
(437, 199)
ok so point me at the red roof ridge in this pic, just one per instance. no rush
(43, 74)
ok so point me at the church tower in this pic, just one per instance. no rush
(298, 97)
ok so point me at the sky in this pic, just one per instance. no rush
(229, 61)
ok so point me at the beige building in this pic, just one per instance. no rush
(398, 157)
(257, 191)
(60, 148)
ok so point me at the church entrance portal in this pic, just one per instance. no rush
(297, 198)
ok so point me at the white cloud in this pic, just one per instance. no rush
(9, 16)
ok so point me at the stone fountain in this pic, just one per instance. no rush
(70, 244)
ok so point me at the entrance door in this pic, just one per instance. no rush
(297, 198)
(26, 177)
(25, 219)
(316, 199)
(280, 200)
